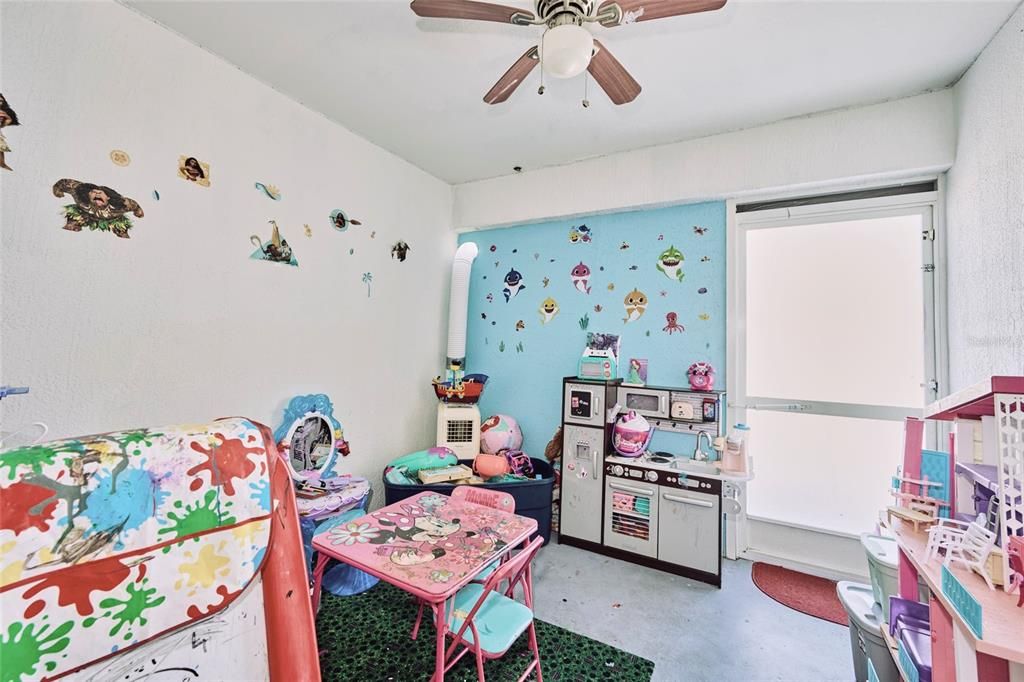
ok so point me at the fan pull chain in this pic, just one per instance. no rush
(586, 83)
(540, 51)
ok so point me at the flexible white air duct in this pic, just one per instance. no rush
(458, 304)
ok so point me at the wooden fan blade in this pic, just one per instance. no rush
(515, 75)
(468, 9)
(612, 76)
(646, 10)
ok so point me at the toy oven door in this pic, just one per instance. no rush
(582, 405)
(646, 401)
(631, 516)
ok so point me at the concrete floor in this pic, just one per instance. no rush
(691, 631)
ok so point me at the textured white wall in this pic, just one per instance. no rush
(894, 139)
(176, 323)
(985, 214)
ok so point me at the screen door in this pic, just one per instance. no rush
(835, 347)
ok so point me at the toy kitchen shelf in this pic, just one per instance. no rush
(958, 653)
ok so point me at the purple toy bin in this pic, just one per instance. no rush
(909, 624)
(907, 613)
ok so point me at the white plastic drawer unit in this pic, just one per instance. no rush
(631, 516)
(584, 404)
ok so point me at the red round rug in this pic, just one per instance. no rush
(805, 593)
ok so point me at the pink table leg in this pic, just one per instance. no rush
(441, 625)
(318, 578)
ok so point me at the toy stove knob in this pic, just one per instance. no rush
(652, 476)
(617, 469)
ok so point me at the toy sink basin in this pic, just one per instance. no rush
(695, 467)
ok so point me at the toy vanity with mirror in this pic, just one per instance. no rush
(310, 439)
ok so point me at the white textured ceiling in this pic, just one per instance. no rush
(415, 86)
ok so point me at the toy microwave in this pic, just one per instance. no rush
(600, 359)
(598, 364)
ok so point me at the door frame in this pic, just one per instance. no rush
(935, 295)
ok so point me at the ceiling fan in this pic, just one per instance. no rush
(567, 48)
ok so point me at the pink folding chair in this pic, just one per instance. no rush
(487, 620)
(487, 498)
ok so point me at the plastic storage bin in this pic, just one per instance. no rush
(533, 497)
(883, 568)
(865, 618)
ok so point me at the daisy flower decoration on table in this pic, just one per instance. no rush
(433, 502)
(441, 576)
(351, 533)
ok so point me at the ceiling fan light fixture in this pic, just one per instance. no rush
(566, 50)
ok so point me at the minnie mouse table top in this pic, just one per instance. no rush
(429, 544)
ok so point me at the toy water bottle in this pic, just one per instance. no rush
(734, 457)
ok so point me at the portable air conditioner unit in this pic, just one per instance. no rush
(458, 428)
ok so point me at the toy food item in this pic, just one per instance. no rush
(500, 432)
(631, 434)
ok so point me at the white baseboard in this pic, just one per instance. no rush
(803, 567)
(825, 554)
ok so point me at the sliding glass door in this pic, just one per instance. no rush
(832, 332)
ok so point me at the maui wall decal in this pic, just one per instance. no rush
(96, 207)
(275, 250)
(7, 118)
(192, 169)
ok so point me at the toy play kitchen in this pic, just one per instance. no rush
(657, 509)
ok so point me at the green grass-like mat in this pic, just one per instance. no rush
(366, 638)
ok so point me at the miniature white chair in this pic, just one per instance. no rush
(972, 551)
(943, 535)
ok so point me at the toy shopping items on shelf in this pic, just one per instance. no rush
(600, 359)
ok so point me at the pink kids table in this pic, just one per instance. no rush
(429, 545)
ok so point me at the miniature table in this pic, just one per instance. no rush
(428, 545)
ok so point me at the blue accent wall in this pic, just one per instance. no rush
(526, 366)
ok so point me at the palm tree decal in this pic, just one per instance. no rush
(367, 278)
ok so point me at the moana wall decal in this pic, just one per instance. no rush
(192, 169)
(7, 118)
(96, 207)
